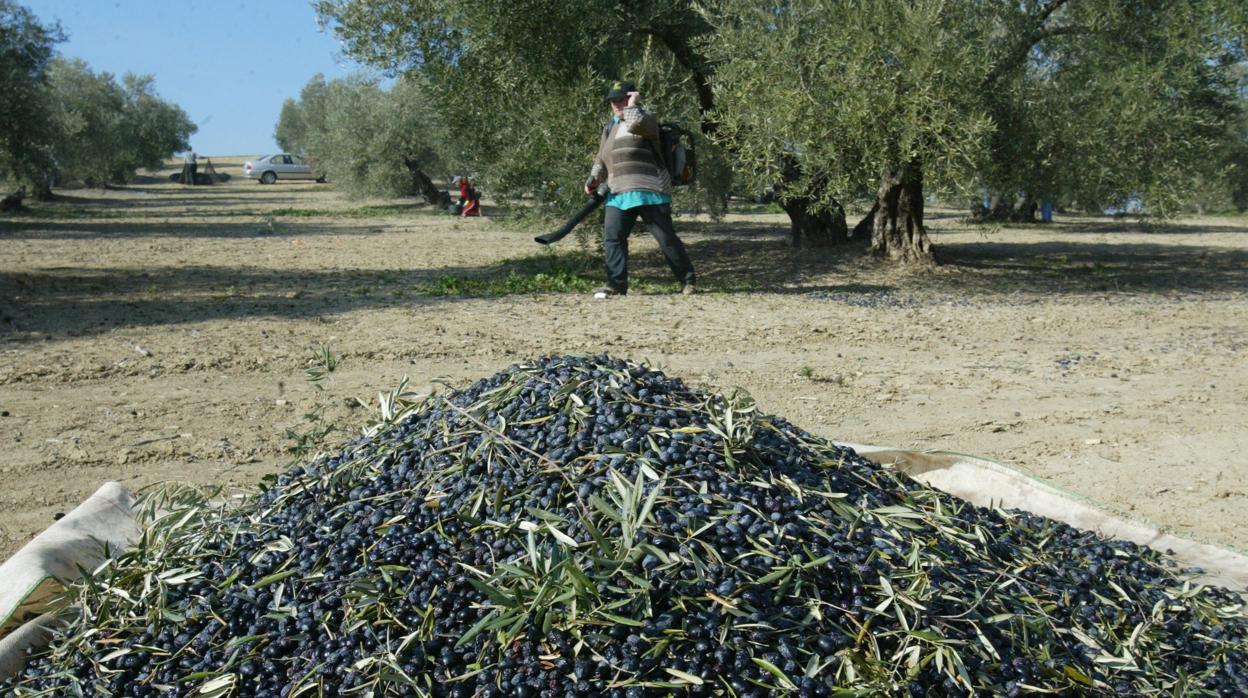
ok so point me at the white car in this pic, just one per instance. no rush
(270, 168)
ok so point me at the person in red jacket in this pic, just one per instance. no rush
(469, 200)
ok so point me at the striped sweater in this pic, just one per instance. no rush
(627, 154)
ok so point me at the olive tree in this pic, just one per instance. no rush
(1096, 101)
(523, 83)
(370, 139)
(867, 100)
(86, 116)
(103, 131)
(833, 101)
(1234, 154)
(26, 51)
(1103, 101)
(153, 128)
(300, 116)
(60, 121)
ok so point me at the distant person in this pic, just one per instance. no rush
(469, 200)
(190, 166)
(640, 186)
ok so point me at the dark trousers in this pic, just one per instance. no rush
(618, 226)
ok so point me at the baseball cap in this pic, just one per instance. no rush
(620, 89)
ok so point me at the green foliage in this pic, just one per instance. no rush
(153, 129)
(291, 129)
(575, 272)
(60, 121)
(523, 84)
(1096, 103)
(26, 50)
(1235, 159)
(300, 117)
(322, 363)
(86, 116)
(105, 131)
(1087, 103)
(368, 139)
(1225, 186)
(840, 93)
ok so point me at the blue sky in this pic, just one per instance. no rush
(228, 63)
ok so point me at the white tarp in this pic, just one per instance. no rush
(992, 484)
(31, 577)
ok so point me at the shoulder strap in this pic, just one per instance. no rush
(656, 146)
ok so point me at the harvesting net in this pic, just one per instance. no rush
(587, 526)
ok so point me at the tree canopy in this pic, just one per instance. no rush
(1086, 103)
(833, 98)
(369, 139)
(1099, 102)
(104, 131)
(60, 121)
(522, 85)
(26, 51)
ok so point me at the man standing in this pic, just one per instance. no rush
(640, 187)
(190, 165)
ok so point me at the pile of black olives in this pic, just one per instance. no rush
(585, 526)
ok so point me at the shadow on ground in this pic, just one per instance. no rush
(1139, 227)
(72, 301)
(294, 227)
(1075, 267)
(731, 258)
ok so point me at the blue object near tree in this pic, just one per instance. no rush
(1046, 212)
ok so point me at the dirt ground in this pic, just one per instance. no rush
(161, 332)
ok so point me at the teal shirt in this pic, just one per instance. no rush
(632, 199)
(625, 200)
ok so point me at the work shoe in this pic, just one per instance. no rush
(688, 289)
(607, 292)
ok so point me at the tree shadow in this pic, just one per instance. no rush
(741, 258)
(731, 258)
(61, 197)
(1108, 225)
(744, 259)
(79, 209)
(124, 229)
(72, 301)
(1078, 267)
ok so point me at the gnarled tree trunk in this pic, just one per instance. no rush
(1002, 209)
(862, 231)
(898, 233)
(1026, 212)
(810, 229)
(424, 185)
(43, 190)
(13, 202)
